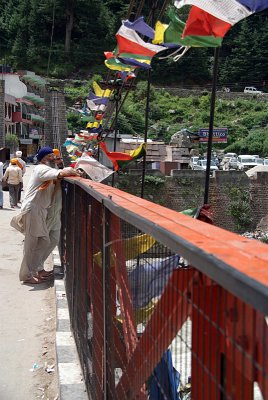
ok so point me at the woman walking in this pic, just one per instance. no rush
(13, 177)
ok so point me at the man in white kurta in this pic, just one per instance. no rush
(32, 221)
(53, 221)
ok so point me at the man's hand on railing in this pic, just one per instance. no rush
(68, 171)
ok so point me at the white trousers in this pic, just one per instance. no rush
(36, 250)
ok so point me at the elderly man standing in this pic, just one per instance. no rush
(32, 221)
(53, 216)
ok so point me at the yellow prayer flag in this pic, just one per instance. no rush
(101, 93)
(135, 153)
(159, 32)
(141, 315)
(94, 124)
(132, 248)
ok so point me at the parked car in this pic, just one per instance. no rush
(201, 165)
(265, 161)
(225, 162)
(252, 90)
(230, 155)
(216, 161)
(259, 161)
(193, 161)
(245, 162)
(233, 163)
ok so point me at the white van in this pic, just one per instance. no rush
(246, 162)
(193, 161)
(252, 90)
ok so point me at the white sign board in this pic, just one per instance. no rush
(26, 141)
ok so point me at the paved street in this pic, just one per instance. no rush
(27, 322)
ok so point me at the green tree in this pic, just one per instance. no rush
(12, 142)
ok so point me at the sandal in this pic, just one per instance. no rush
(34, 280)
(45, 274)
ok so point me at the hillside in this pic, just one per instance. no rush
(246, 118)
(66, 39)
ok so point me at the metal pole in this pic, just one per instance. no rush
(146, 131)
(117, 97)
(211, 121)
(105, 266)
(153, 8)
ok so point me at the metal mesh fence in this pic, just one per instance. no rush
(147, 323)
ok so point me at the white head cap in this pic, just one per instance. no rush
(18, 153)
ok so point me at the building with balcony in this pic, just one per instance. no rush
(24, 109)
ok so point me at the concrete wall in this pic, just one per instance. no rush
(14, 86)
(221, 95)
(238, 203)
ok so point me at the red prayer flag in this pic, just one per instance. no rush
(201, 23)
(115, 156)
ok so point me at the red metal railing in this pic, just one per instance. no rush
(156, 296)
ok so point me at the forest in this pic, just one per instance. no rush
(67, 38)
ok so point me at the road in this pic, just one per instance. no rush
(27, 328)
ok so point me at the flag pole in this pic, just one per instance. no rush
(153, 8)
(211, 122)
(117, 97)
(146, 131)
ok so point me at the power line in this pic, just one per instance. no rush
(51, 37)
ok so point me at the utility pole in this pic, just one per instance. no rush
(2, 113)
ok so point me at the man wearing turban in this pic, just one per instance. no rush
(32, 220)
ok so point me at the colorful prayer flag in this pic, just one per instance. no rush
(129, 41)
(135, 154)
(120, 159)
(201, 23)
(97, 99)
(115, 156)
(100, 92)
(139, 25)
(95, 107)
(95, 124)
(135, 62)
(71, 148)
(94, 169)
(82, 137)
(230, 11)
(132, 248)
(116, 65)
(174, 32)
(160, 30)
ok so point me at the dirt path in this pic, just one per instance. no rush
(27, 323)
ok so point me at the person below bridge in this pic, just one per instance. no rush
(32, 220)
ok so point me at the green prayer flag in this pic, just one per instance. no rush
(175, 29)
